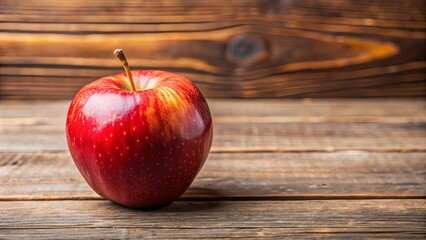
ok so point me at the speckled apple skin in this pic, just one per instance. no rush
(139, 148)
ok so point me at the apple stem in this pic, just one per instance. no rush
(120, 55)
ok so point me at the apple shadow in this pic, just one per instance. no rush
(193, 200)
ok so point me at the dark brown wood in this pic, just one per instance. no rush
(211, 219)
(338, 175)
(240, 49)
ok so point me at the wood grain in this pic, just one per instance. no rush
(338, 175)
(258, 137)
(359, 110)
(311, 168)
(212, 219)
(367, 110)
(287, 126)
(239, 49)
(203, 233)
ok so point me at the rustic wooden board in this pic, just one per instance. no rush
(352, 174)
(311, 125)
(279, 168)
(212, 219)
(205, 233)
(278, 137)
(298, 110)
(240, 49)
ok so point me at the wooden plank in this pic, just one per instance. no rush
(352, 174)
(359, 110)
(210, 219)
(254, 125)
(244, 49)
(201, 233)
(251, 136)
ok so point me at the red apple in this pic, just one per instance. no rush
(139, 139)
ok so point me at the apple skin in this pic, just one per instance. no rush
(143, 148)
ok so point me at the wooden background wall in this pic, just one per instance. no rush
(229, 48)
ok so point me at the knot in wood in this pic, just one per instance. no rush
(245, 48)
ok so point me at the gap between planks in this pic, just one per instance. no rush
(251, 198)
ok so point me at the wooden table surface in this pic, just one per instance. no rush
(297, 168)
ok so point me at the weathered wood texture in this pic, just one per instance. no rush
(254, 126)
(282, 149)
(243, 48)
(347, 174)
(231, 137)
(211, 219)
(312, 168)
